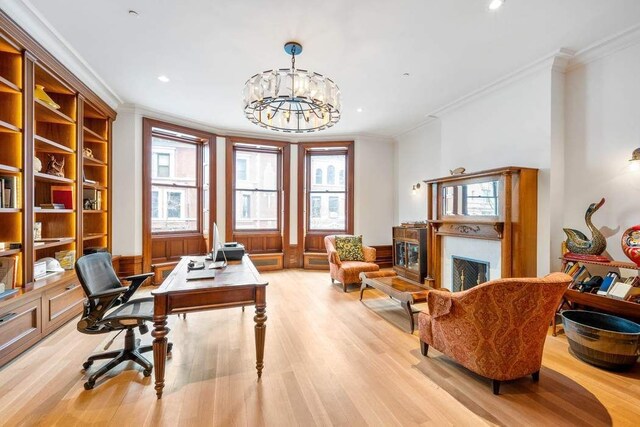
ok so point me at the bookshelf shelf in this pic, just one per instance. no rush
(53, 244)
(39, 176)
(94, 211)
(612, 264)
(91, 136)
(48, 146)
(45, 113)
(95, 186)
(89, 161)
(10, 252)
(9, 169)
(8, 127)
(92, 236)
(53, 211)
(8, 86)
(10, 210)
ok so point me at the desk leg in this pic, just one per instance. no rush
(260, 318)
(159, 334)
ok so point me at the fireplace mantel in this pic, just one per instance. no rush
(492, 205)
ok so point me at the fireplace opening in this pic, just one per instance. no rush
(468, 273)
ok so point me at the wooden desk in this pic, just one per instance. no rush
(236, 285)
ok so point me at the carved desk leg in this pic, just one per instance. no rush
(159, 334)
(260, 318)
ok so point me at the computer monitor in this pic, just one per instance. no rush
(217, 245)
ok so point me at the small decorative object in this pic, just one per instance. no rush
(8, 268)
(87, 204)
(37, 164)
(37, 231)
(55, 167)
(457, 171)
(631, 244)
(42, 96)
(578, 243)
(87, 152)
(67, 259)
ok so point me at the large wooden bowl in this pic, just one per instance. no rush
(602, 340)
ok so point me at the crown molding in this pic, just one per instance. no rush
(29, 18)
(152, 113)
(605, 47)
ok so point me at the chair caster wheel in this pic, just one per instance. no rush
(169, 347)
(89, 385)
(87, 365)
(146, 372)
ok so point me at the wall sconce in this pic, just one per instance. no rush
(416, 187)
(634, 161)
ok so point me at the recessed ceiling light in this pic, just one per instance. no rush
(495, 4)
(406, 75)
(359, 110)
(163, 79)
(133, 13)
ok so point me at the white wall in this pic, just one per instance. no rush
(373, 198)
(602, 130)
(508, 126)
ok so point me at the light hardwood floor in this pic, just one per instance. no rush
(330, 360)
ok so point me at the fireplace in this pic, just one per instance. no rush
(467, 273)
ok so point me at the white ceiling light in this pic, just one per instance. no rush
(359, 110)
(496, 4)
(164, 79)
(292, 100)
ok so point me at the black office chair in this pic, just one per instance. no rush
(108, 309)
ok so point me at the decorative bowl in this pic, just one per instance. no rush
(631, 244)
(602, 340)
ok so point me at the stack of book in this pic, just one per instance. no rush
(612, 285)
(578, 272)
(9, 192)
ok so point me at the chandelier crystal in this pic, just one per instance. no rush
(290, 99)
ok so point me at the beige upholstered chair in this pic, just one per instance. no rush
(347, 272)
(496, 329)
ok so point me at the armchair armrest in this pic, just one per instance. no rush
(369, 253)
(334, 258)
(439, 303)
(136, 281)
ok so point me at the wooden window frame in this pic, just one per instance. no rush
(284, 184)
(304, 199)
(202, 138)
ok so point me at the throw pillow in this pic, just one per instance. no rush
(349, 248)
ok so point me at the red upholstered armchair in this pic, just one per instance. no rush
(348, 272)
(496, 329)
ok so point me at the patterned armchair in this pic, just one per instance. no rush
(496, 329)
(347, 272)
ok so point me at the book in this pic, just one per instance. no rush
(607, 282)
(63, 194)
(10, 191)
(52, 206)
(8, 268)
(569, 266)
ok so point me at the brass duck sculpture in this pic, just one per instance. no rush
(578, 243)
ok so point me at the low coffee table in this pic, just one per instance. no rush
(404, 290)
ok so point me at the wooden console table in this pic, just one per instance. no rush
(236, 285)
(399, 288)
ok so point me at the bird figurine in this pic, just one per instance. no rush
(578, 243)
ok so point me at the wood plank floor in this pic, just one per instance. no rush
(330, 360)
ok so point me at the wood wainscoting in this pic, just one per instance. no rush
(128, 265)
(167, 248)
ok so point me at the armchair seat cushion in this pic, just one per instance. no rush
(350, 270)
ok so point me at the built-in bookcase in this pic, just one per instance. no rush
(11, 139)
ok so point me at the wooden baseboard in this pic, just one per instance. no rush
(267, 262)
(384, 256)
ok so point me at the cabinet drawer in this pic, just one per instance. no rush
(20, 327)
(61, 304)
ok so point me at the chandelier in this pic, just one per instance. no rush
(292, 100)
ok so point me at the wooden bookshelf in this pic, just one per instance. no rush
(33, 128)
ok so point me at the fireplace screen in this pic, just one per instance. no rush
(468, 273)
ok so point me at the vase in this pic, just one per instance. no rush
(631, 244)
(42, 96)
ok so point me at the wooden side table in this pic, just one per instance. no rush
(404, 290)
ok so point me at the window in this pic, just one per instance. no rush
(341, 177)
(318, 176)
(316, 206)
(174, 183)
(246, 206)
(154, 204)
(163, 163)
(330, 195)
(257, 187)
(241, 169)
(331, 175)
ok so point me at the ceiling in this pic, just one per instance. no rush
(209, 48)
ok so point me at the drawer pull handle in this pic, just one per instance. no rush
(71, 287)
(7, 317)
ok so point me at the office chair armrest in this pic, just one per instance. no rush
(109, 292)
(136, 281)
